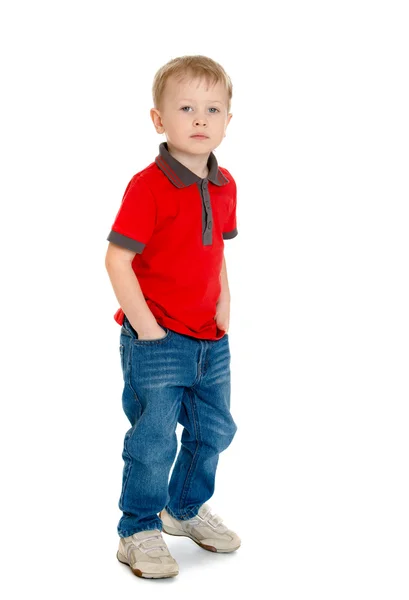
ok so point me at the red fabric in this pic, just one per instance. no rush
(178, 274)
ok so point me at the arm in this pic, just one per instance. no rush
(118, 263)
(225, 291)
(222, 316)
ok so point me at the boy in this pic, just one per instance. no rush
(166, 266)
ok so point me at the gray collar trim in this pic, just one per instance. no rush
(180, 175)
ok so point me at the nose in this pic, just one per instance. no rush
(200, 121)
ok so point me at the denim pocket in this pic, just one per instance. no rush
(131, 331)
(167, 331)
(128, 329)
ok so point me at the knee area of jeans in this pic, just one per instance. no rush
(226, 438)
(151, 449)
(233, 432)
(232, 429)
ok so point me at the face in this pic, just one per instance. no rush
(193, 107)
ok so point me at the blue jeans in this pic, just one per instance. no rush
(177, 378)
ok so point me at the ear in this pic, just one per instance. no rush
(157, 120)
(229, 116)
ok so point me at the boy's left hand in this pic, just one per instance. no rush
(222, 316)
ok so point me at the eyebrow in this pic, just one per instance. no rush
(210, 101)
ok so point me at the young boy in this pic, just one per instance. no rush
(166, 265)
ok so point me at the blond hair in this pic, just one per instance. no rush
(195, 66)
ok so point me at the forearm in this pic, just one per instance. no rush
(225, 291)
(130, 297)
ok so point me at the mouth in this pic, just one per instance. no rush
(199, 136)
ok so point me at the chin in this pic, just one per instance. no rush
(198, 148)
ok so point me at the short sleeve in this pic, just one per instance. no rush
(136, 217)
(230, 227)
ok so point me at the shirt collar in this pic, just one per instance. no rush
(180, 175)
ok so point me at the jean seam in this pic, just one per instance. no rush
(121, 354)
(121, 500)
(186, 485)
(130, 379)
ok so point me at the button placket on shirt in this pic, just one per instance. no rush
(206, 213)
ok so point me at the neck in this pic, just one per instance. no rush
(197, 163)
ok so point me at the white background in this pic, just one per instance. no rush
(316, 480)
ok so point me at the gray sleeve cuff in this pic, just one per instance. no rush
(126, 242)
(230, 234)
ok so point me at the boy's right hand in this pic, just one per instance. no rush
(154, 333)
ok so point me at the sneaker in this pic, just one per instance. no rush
(205, 529)
(147, 554)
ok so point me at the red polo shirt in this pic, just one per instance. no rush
(177, 222)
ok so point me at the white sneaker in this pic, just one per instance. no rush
(205, 529)
(147, 555)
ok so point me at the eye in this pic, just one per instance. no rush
(212, 108)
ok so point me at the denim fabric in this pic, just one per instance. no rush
(177, 378)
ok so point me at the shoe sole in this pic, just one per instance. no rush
(122, 559)
(173, 531)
